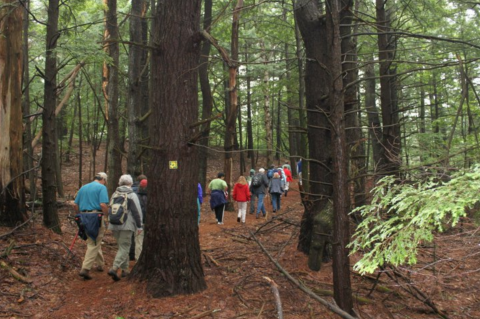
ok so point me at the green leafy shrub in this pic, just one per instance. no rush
(404, 215)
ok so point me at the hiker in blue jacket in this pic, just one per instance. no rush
(92, 199)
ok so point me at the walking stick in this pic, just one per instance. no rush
(74, 240)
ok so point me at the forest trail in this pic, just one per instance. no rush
(233, 267)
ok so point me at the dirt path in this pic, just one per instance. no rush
(234, 269)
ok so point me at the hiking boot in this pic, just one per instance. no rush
(99, 268)
(257, 217)
(84, 274)
(238, 219)
(113, 273)
(125, 273)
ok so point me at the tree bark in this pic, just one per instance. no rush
(110, 87)
(231, 115)
(49, 189)
(313, 31)
(12, 196)
(391, 140)
(136, 66)
(337, 13)
(207, 99)
(171, 259)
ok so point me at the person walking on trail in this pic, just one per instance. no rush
(252, 196)
(241, 194)
(92, 198)
(199, 201)
(288, 174)
(275, 187)
(249, 177)
(258, 186)
(218, 188)
(142, 194)
(135, 187)
(123, 231)
(299, 171)
(287, 165)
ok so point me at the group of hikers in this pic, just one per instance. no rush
(255, 187)
(127, 207)
(92, 204)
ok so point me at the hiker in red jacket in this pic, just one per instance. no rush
(241, 194)
(288, 174)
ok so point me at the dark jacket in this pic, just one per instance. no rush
(88, 225)
(275, 186)
(260, 189)
(217, 198)
(142, 198)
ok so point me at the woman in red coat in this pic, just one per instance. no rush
(241, 194)
(288, 175)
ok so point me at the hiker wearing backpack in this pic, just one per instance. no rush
(218, 199)
(271, 171)
(91, 201)
(241, 195)
(257, 188)
(125, 219)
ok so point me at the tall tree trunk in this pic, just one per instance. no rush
(171, 259)
(267, 118)
(373, 116)
(207, 99)
(12, 196)
(302, 138)
(278, 129)
(80, 141)
(28, 160)
(388, 97)
(251, 153)
(233, 101)
(338, 12)
(110, 75)
(355, 144)
(292, 145)
(314, 35)
(49, 189)
(136, 66)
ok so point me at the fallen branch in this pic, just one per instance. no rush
(14, 273)
(206, 313)
(276, 294)
(329, 306)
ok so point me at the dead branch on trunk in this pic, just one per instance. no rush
(306, 290)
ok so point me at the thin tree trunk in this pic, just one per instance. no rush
(49, 189)
(135, 94)
(207, 99)
(111, 94)
(233, 101)
(373, 117)
(267, 118)
(342, 287)
(80, 141)
(251, 153)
